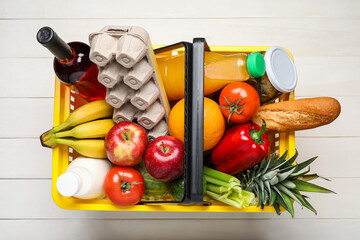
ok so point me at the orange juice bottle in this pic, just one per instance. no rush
(219, 71)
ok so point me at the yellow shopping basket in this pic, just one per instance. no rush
(66, 101)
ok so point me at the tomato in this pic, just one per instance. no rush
(239, 102)
(124, 186)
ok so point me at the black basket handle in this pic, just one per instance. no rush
(194, 118)
(194, 102)
(189, 197)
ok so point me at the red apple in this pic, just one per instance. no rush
(164, 158)
(126, 143)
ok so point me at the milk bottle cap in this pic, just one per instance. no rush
(280, 69)
(68, 184)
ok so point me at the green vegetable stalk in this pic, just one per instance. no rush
(219, 186)
(227, 189)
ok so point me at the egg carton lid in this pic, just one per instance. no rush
(128, 68)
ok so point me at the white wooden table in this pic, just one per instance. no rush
(322, 35)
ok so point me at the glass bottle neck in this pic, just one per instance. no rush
(47, 37)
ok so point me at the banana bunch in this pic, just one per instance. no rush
(83, 130)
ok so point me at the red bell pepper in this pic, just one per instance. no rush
(242, 147)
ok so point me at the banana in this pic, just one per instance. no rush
(94, 129)
(94, 148)
(86, 113)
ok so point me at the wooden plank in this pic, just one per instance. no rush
(27, 77)
(29, 154)
(31, 198)
(29, 117)
(302, 36)
(24, 158)
(318, 76)
(25, 117)
(180, 229)
(336, 158)
(327, 76)
(189, 9)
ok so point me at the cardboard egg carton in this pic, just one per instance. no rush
(128, 69)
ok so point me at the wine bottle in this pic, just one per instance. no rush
(72, 65)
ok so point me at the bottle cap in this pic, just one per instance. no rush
(68, 184)
(255, 65)
(280, 69)
(47, 37)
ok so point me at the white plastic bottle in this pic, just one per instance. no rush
(84, 178)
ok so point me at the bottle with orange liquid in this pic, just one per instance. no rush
(220, 70)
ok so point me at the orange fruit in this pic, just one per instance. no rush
(214, 122)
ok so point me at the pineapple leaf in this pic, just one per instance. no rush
(289, 193)
(258, 194)
(272, 197)
(285, 175)
(289, 203)
(269, 175)
(291, 160)
(282, 170)
(285, 201)
(246, 176)
(250, 187)
(272, 160)
(288, 184)
(258, 173)
(309, 187)
(311, 177)
(297, 174)
(280, 161)
(304, 202)
(267, 166)
(278, 192)
(274, 181)
(281, 166)
(253, 171)
(303, 165)
(309, 206)
(266, 198)
(261, 184)
(277, 208)
(267, 187)
(263, 164)
(281, 202)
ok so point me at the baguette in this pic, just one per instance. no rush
(298, 114)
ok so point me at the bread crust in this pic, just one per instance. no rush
(298, 114)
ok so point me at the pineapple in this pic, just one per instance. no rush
(277, 182)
